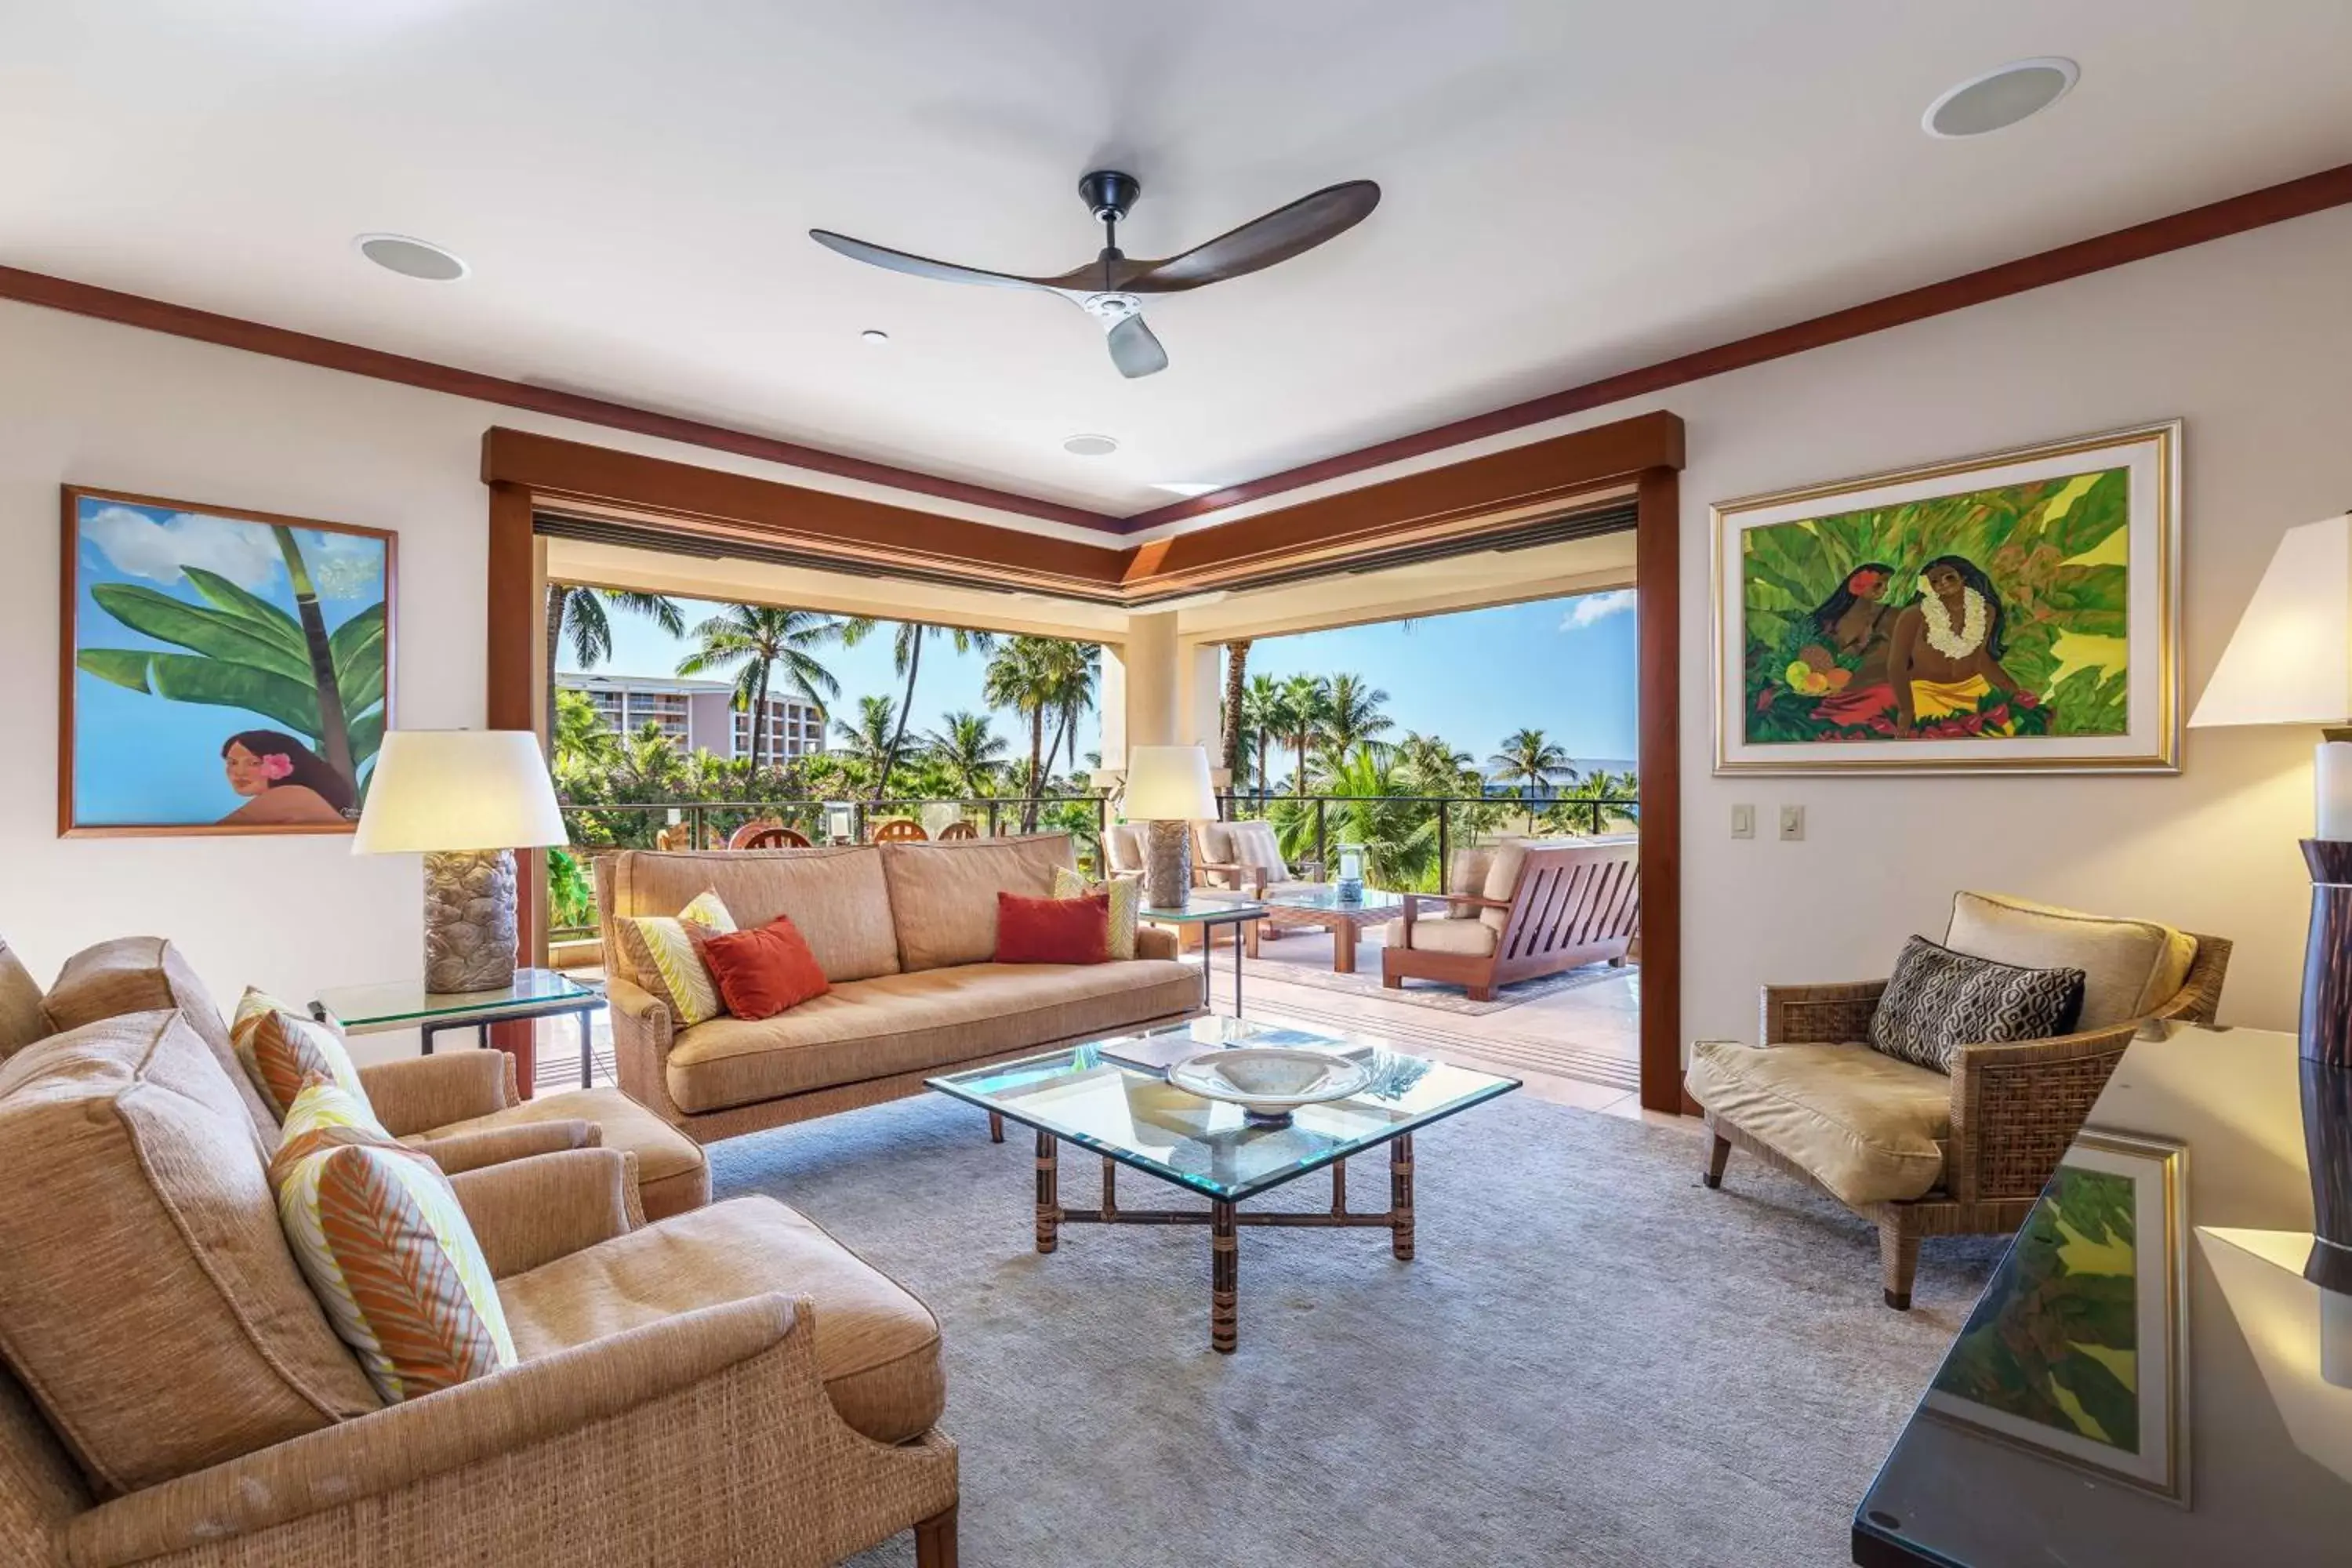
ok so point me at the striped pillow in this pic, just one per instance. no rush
(377, 1232)
(665, 960)
(1126, 899)
(282, 1050)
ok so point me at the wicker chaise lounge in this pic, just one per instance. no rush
(1920, 1154)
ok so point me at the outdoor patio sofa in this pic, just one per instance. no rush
(906, 934)
(1519, 910)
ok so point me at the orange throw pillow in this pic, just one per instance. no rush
(1053, 931)
(761, 973)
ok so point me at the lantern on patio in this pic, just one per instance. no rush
(1350, 887)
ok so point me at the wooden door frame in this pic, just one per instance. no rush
(527, 474)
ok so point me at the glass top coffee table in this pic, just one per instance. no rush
(1319, 904)
(1113, 1097)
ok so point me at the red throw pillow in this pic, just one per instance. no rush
(1053, 931)
(761, 973)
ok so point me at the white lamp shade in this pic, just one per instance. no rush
(2290, 660)
(1165, 783)
(458, 789)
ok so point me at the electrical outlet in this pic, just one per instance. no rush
(1743, 821)
(1792, 824)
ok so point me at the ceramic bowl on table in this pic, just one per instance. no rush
(1269, 1082)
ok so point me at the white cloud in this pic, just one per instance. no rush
(1593, 609)
(138, 545)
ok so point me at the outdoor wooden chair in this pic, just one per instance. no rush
(766, 836)
(1916, 1151)
(1544, 908)
(899, 831)
(958, 829)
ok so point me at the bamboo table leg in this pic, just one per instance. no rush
(1338, 1187)
(1343, 946)
(996, 1127)
(1224, 1268)
(1049, 1198)
(1110, 1187)
(1400, 1194)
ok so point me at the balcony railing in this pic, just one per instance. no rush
(1454, 814)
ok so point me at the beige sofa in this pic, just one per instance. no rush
(728, 1386)
(906, 934)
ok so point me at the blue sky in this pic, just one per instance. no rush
(1562, 666)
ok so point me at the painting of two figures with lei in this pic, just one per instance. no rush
(1990, 614)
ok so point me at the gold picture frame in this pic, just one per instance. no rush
(2051, 643)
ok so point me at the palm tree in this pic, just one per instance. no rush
(755, 640)
(1261, 717)
(581, 742)
(1074, 668)
(1352, 716)
(1398, 834)
(580, 615)
(650, 761)
(1306, 703)
(1020, 676)
(968, 749)
(1598, 802)
(868, 742)
(907, 658)
(1531, 762)
(1433, 765)
(1236, 715)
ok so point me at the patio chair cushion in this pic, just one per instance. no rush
(21, 1019)
(2129, 967)
(878, 1348)
(908, 1023)
(178, 1332)
(1123, 847)
(1253, 843)
(1502, 869)
(836, 895)
(1474, 939)
(672, 1175)
(1867, 1126)
(943, 895)
(144, 975)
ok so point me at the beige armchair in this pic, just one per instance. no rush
(171, 1396)
(1916, 1152)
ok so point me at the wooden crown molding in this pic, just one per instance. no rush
(2216, 220)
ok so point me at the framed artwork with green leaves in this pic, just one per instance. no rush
(2014, 612)
(222, 671)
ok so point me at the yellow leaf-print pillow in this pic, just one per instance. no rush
(664, 957)
(1126, 899)
(282, 1049)
(377, 1231)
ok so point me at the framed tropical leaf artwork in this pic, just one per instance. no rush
(2014, 612)
(222, 671)
(2077, 1350)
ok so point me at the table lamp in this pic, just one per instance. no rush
(1168, 789)
(2290, 662)
(467, 799)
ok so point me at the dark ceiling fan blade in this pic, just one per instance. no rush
(1279, 236)
(1134, 349)
(923, 266)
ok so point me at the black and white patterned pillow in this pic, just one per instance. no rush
(1939, 1000)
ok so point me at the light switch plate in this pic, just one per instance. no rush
(1792, 824)
(1743, 821)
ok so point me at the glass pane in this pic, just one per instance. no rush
(1135, 1115)
(403, 1001)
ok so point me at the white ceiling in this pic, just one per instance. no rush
(1573, 187)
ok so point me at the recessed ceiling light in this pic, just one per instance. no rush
(411, 257)
(1090, 445)
(1186, 490)
(1999, 97)
(875, 335)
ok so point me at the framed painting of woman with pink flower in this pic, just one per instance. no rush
(2014, 612)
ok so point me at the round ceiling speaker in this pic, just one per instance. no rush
(411, 257)
(1999, 97)
(1090, 445)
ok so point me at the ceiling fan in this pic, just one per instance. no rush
(1111, 286)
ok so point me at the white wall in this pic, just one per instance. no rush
(2247, 340)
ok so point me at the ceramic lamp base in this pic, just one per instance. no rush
(1167, 864)
(469, 921)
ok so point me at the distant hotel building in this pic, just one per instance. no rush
(699, 714)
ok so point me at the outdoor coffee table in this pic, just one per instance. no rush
(1132, 1116)
(1320, 905)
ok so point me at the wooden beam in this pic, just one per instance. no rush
(513, 700)
(1657, 587)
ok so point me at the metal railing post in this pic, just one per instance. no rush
(857, 822)
(1322, 852)
(1444, 848)
(993, 831)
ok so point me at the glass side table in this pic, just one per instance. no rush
(406, 1005)
(1206, 914)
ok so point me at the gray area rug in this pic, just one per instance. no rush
(1593, 1360)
